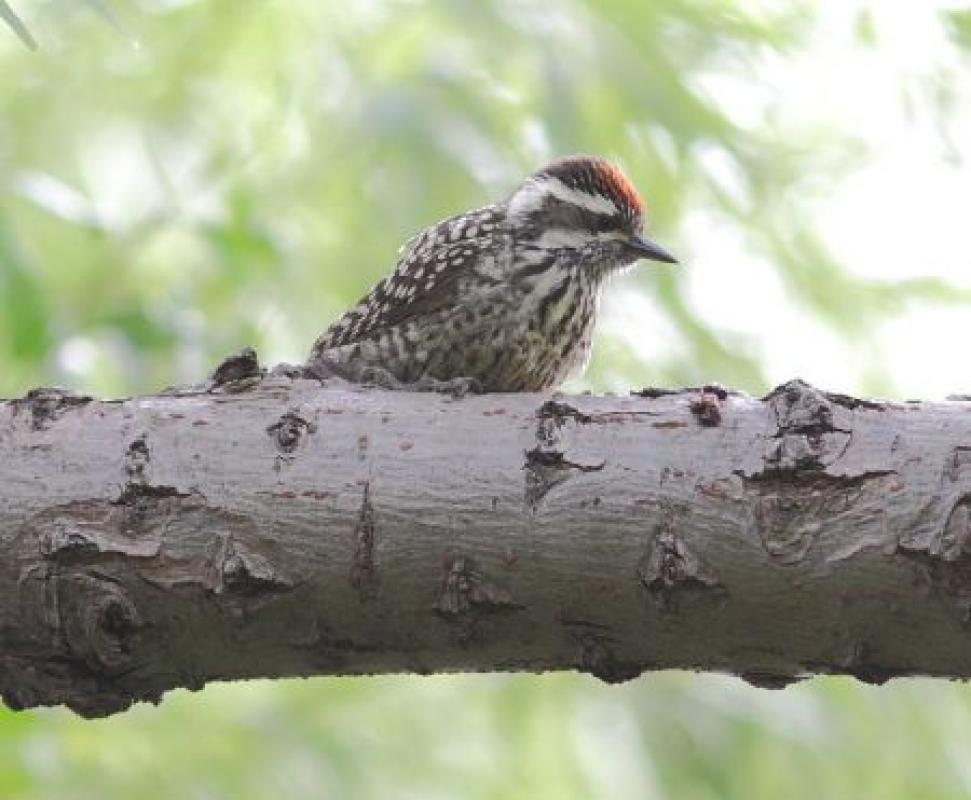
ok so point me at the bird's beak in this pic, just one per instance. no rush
(645, 248)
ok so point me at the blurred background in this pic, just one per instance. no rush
(181, 178)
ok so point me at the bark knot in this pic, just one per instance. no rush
(596, 657)
(806, 436)
(946, 555)
(670, 569)
(237, 372)
(706, 410)
(93, 617)
(788, 508)
(137, 459)
(548, 468)
(466, 589)
(289, 431)
(239, 571)
(46, 405)
(769, 679)
(559, 412)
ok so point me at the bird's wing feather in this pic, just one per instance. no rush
(425, 279)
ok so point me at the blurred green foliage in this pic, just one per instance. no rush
(197, 176)
(505, 738)
(182, 178)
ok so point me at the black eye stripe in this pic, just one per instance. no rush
(601, 223)
(556, 212)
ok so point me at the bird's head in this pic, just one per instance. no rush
(586, 204)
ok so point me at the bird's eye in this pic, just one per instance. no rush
(603, 224)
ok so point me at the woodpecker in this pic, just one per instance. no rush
(503, 298)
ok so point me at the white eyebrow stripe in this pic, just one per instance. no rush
(597, 203)
(528, 198)
(531, 195)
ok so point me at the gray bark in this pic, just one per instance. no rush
(275, 527)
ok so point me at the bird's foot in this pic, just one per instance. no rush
(456, 387)
(323, 369)
(370, 375)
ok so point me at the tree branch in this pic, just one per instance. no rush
(274, 527)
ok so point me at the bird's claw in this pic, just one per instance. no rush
(456, 387)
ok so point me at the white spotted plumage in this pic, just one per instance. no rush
(506, 294)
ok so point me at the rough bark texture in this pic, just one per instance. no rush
(275, 527)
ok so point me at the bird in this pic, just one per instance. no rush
(503, 298)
